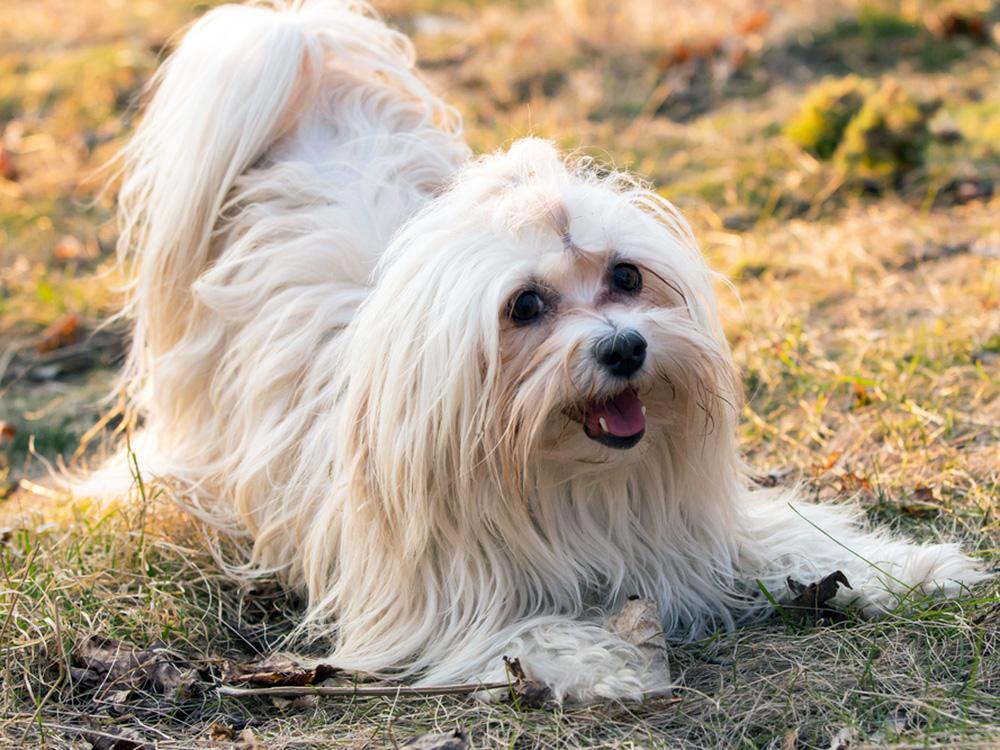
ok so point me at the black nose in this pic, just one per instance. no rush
(622, 353)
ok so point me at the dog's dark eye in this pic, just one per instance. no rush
(527, 307)
(626, 277)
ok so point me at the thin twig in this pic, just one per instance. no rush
(348, 691)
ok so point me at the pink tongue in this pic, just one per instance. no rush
(622, 415)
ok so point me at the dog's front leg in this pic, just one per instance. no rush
(579, 661)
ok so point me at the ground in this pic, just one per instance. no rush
(864, 311)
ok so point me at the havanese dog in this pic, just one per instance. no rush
(469, 406)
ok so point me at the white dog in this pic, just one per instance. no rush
(468, 406)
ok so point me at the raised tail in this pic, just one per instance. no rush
(243, 81)
(239, 80)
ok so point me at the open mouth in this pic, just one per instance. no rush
(618, 422)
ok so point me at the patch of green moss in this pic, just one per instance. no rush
(828, 108)
(877, 26)
(888, 136)
(869, 132)
(979, 122)
(992, 344)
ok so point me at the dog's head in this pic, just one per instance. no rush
(537, 313)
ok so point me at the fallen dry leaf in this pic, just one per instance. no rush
(949, 22)
(109, 667)
(220, 732)
(862, 396)
(279, 670)
(851, 483)
(832, 460)
(809, 604)
(455, 740)
(922, 502)
(7, 432)
(523, 691)
(63, 332)
(638, 622)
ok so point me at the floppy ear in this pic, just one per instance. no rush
(413, 432)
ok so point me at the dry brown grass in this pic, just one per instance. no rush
(867, 326)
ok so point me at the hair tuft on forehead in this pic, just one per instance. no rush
(555, 215)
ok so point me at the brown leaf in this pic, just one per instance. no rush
(950, 22)
(455, 740)
(851, 483)
(638, 622)
(109, 667)
(219, 731)
(63, 332)
(922, 502)
(106, 659)
(809, 604)
(524, 692)
(832, 459)
(7, 432)
(280, 670)
(166, 677)
(862, 396)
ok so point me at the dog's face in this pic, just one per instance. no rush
(540, 315)
(607, 331)
(608, 334)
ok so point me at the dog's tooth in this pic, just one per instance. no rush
(604, 425)
(643, 411)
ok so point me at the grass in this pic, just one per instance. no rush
(867, 329)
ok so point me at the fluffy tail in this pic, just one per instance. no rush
(240, 83)
(240, 80)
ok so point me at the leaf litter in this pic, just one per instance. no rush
(810, 603)
(112, 670)
(638, 622)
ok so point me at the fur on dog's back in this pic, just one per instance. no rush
(281, 149)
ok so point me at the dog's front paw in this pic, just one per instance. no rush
(584, 662)
(535, 689)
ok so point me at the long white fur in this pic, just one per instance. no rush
(321, 363)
